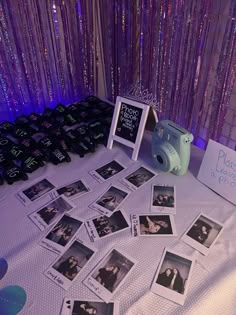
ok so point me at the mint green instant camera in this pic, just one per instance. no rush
(171, 147)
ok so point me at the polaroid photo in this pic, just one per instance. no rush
(48, 214)
(62, 234)
(109, 274)
(87, 307)
(110, 200)
(68, 266)
(101, 227)
(107, 171)
(173, 276)
(138, 178)
(35, 191)
(163, 199)
(203, 233)
(153, 225)
(73, 190)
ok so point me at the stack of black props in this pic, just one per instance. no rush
(31, 141)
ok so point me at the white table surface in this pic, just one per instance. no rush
(213, 284)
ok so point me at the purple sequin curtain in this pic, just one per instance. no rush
(181, 52)
(46, 54)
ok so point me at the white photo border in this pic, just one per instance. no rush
(135, 223)
(195, 244)
(68, 311)
(58, 278)
(39, 222)
(55, 193)
(132, 187)
(99, 178)
(92, 231)
(166, 292)
(104, 211)
(24, 199)
(55, 247)
(159, 209)
(99, 289)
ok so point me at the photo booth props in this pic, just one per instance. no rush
(32, 140)
(128, 124)
(218, 170)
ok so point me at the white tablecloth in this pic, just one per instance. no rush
(213, 284)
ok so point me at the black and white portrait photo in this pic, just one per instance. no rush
(89, 307)
(61, 233)
(34, 192)
(163, 198)
(107, 171)
(172, 277)
(203, 233)
(113, 270)
(69, 264)
(138, 178)
(50, 212)
(103, 226)
(110, 200)
(73, 190)
(156, 225)
(54, 209)
(110, 273)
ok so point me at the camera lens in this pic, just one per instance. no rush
(159, 159)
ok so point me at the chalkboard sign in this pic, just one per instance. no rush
(128, 124)
(218, 170)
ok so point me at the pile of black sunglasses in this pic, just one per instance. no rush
(31, 141)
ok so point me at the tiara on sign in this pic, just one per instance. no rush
(138, 93)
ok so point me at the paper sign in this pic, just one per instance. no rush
(218, 170)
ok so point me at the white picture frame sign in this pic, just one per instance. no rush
(128, 124)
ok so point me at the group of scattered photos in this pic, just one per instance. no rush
(174, 271)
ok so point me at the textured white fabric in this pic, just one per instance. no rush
(212, 288)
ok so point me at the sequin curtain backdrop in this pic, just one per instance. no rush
(182, 52)
(46, 54)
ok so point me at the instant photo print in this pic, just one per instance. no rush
(48, 214)
(107, 171)
(87, 306)
(153, 225)
(173, 276)
(68, 266)
(62, 234)
(35, 192)
(110, 200)
(163, 199)
(103, 226)
(203, 233)
(110, 274)
(138, 178)
(73, 190)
